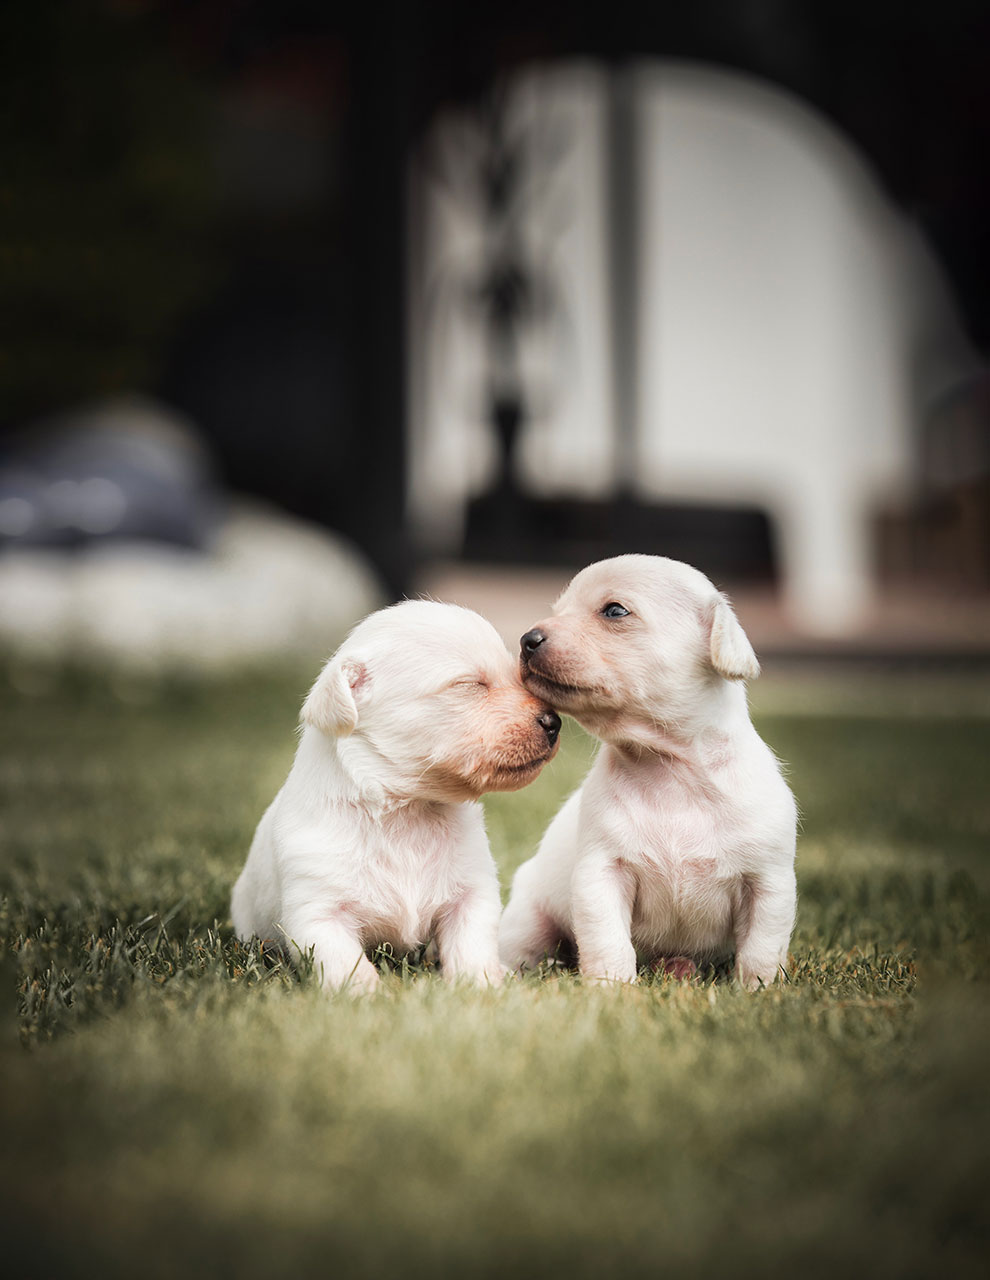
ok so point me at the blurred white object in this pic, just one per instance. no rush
(794, 330)
(270, 587)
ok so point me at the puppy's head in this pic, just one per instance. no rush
(432, 705)
(636, 638)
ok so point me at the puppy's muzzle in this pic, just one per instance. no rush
(549, 722)
(529, 646)
(533, 656)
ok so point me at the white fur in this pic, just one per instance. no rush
(679, 847)
(376, 836)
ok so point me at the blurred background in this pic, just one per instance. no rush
(305, 308)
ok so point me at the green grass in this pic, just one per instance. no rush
(169, 1105)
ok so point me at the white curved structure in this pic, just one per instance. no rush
(792, 328)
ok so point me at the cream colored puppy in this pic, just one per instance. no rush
(376, 835)
(679, 847)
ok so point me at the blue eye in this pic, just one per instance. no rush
(614, 610)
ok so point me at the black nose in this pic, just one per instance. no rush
(550, 723)
(531, 641)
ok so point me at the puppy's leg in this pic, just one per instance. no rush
(764, 929)
(467, 938)
(338, 955)
(527, 932)
(537, 918)
(603, 890)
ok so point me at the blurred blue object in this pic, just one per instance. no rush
(125, 470)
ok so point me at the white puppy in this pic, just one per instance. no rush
(376, 836)
(679, 846)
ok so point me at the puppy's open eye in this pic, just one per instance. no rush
(615, 610)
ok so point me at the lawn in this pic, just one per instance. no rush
(169, 1105)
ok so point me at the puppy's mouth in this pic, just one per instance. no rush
(536, 763)
(512, 777)
(511, 772)
(552, 688)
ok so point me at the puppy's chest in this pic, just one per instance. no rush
(675, 820)
(682, 846)
(403, 886)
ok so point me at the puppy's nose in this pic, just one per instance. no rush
(549, 721)
(531, 641)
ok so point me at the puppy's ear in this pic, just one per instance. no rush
(331, 705)
(729, 648)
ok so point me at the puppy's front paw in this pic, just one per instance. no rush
(753, 974)
(610, 968)
(361, 980)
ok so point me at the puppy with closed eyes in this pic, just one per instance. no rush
(679, 847)
(376, 836)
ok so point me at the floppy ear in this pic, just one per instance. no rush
(729, 648)
(331, 706)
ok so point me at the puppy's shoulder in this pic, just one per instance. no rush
(468, 824)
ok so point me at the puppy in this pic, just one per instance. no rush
(376, 835)
(679, 846)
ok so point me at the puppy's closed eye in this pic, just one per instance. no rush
(471, 684)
